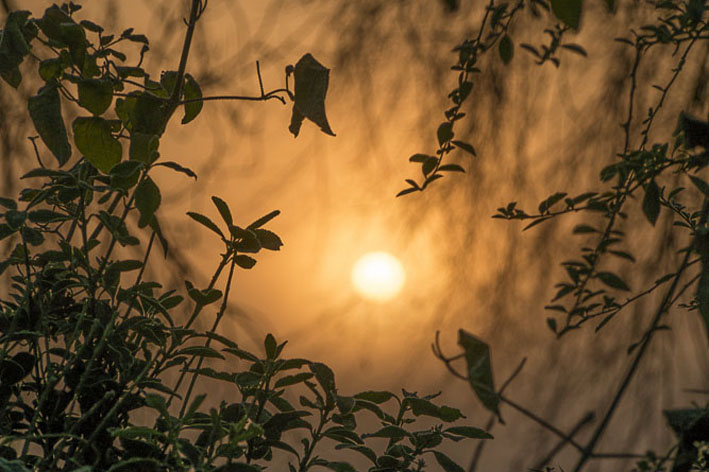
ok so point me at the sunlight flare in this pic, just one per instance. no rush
(378, 276)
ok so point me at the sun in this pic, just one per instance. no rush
(378, 276)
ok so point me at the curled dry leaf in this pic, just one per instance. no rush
(311, 81)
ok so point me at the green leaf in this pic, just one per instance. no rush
(147, 200)
(506, 49)
(245, 262)
(94, 140)
(447, 463)
(13, 46)
(612, 281)
(45, 111)
(293, 379)
(47, 216)
(223, 209)
(192, 92)
(700, 184)
(206, 222)
(143, 147)
(377, 397)
(95, 95)
(125, 175)
(339, 466)
(469, 432)
(568, 11)
(199, 351)
(204, 297)
(155, 226)
(477, 359)
(651, 202)
(391, 431)
(324, 376)
(311, 82)
(445, 132)
(419, 407)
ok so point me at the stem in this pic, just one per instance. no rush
(600, 429)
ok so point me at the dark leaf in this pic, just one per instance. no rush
(94, 140)
(178, 168)
(445, 132)
(244, 261)
(700, 184)
(95, 95)
(506, 49)
(612, 281)
(264, 219)
(568, 11)
(206, 222)
(45, 111)
(311, 82)
(192, 92)
(575, 48)
(223, 209)
(465, 147)
(477, 358)
(147, 200)
(144, 147)
(651, 202)
(447, 463)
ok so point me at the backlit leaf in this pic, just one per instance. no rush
(506, 49)
(311, 82)
(45, 111)
(477, 358)
(95, 95)
(192, 92)
(612, 281)
(568, 11)
(651, 202)
(94, 140)
(147, 200)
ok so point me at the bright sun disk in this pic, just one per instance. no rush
(378, 276)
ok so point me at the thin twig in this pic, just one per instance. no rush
(587, 452)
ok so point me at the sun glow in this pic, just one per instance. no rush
(378, 276)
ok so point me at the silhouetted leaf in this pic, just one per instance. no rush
(700, 184)
(13, 47)
(477, 358)
(447, 463)
(651, 202)
(268, 239)
(612, 281)
(264, 219)
(465, 147)
(245, 262)
(178, 168)
(198, 351)
(45, 111)
(144, 147)
(568, 11)
(696, 132)
(445, 132)
(311, 82)
(469, 432)
(192, 92)
(223, 209)
(575, 48)
(95, 95)
(506, 49)
(206, 222)
(94, 140)
(375, 396)
(703, 293)
(147, 200)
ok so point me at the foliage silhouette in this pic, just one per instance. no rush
(85, 351)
